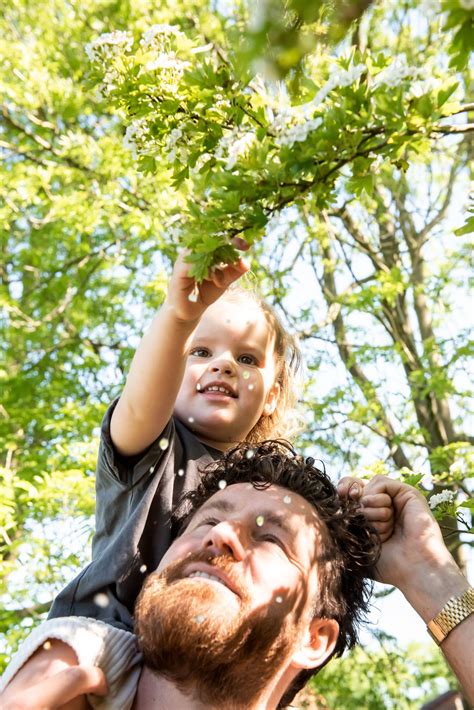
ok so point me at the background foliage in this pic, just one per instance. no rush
(334, 138)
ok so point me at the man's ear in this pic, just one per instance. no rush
(317, 644)
(272, 399)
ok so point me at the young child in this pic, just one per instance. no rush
(216, 367)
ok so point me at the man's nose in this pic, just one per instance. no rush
(225, 537)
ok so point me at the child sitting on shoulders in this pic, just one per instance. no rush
(216, 367)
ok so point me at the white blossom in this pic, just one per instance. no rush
(457, 467)
(396, 72)
(467, 4)
(108, 45)
(377, 162)
(175, 151)
(293, 124)
(422, 86)
(298, 133)
(440, 498)
(338, 78)
(134, 134)
(233, 146)
(156, 34)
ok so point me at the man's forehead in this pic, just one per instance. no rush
(272, 501)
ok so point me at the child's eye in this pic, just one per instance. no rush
(248, 360)
(200, 352)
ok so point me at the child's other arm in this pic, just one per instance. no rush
(52, 678)
(157, 369)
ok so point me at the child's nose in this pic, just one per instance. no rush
(223, 365)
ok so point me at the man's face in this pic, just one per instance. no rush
(229, 381)
(233, 594)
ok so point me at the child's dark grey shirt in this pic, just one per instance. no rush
(134, 500)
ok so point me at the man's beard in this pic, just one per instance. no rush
(208, 644)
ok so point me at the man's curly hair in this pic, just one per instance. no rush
(349, 547)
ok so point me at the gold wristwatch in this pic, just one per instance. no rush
(454, 611)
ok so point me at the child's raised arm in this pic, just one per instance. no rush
(157, 369)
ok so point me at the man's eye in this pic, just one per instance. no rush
(271, 539)
(209, 521)
(200, 352)
(248, 360)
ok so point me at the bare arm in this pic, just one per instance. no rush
(52, 678)
(415, 559)
(157, 369)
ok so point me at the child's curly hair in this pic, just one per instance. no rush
(350, 546)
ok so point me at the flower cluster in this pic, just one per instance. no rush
(157, 36)
(294, 124)
(445, 497)
(233, 146)
(135, 136)
(161, 41)
(298, 132)
(108, 45)
(174, 151)
(340, 78)
(396, 72)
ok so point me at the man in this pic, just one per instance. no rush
(266, 582)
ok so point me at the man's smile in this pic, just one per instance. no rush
(213, 575)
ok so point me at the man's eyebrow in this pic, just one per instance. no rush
(218, 506)
(267, 517)
(276, 519)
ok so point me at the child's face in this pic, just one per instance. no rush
(229, 381)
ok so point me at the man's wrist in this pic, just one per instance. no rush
(433, 585)
(453, 613)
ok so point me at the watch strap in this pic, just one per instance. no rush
(454, 611)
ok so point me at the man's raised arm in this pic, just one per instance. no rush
(416, 560)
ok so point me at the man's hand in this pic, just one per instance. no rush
(409, 532)
(415, 559)
(65, 690)
(189, 299)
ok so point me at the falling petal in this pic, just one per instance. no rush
(193, 297)
(287, 499)
(249, 454)
(198, 387)
(278, 599)
(101, 600)
(246, 374)
(152, 468)
(190, 420)
(181, 472)
(47, 645)
(163, 444)
(199, 618)
(222, 484)
(251, 387)
(143, 569)
(260, 520)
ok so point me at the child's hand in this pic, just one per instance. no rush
(376, 503)
(189, 299)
